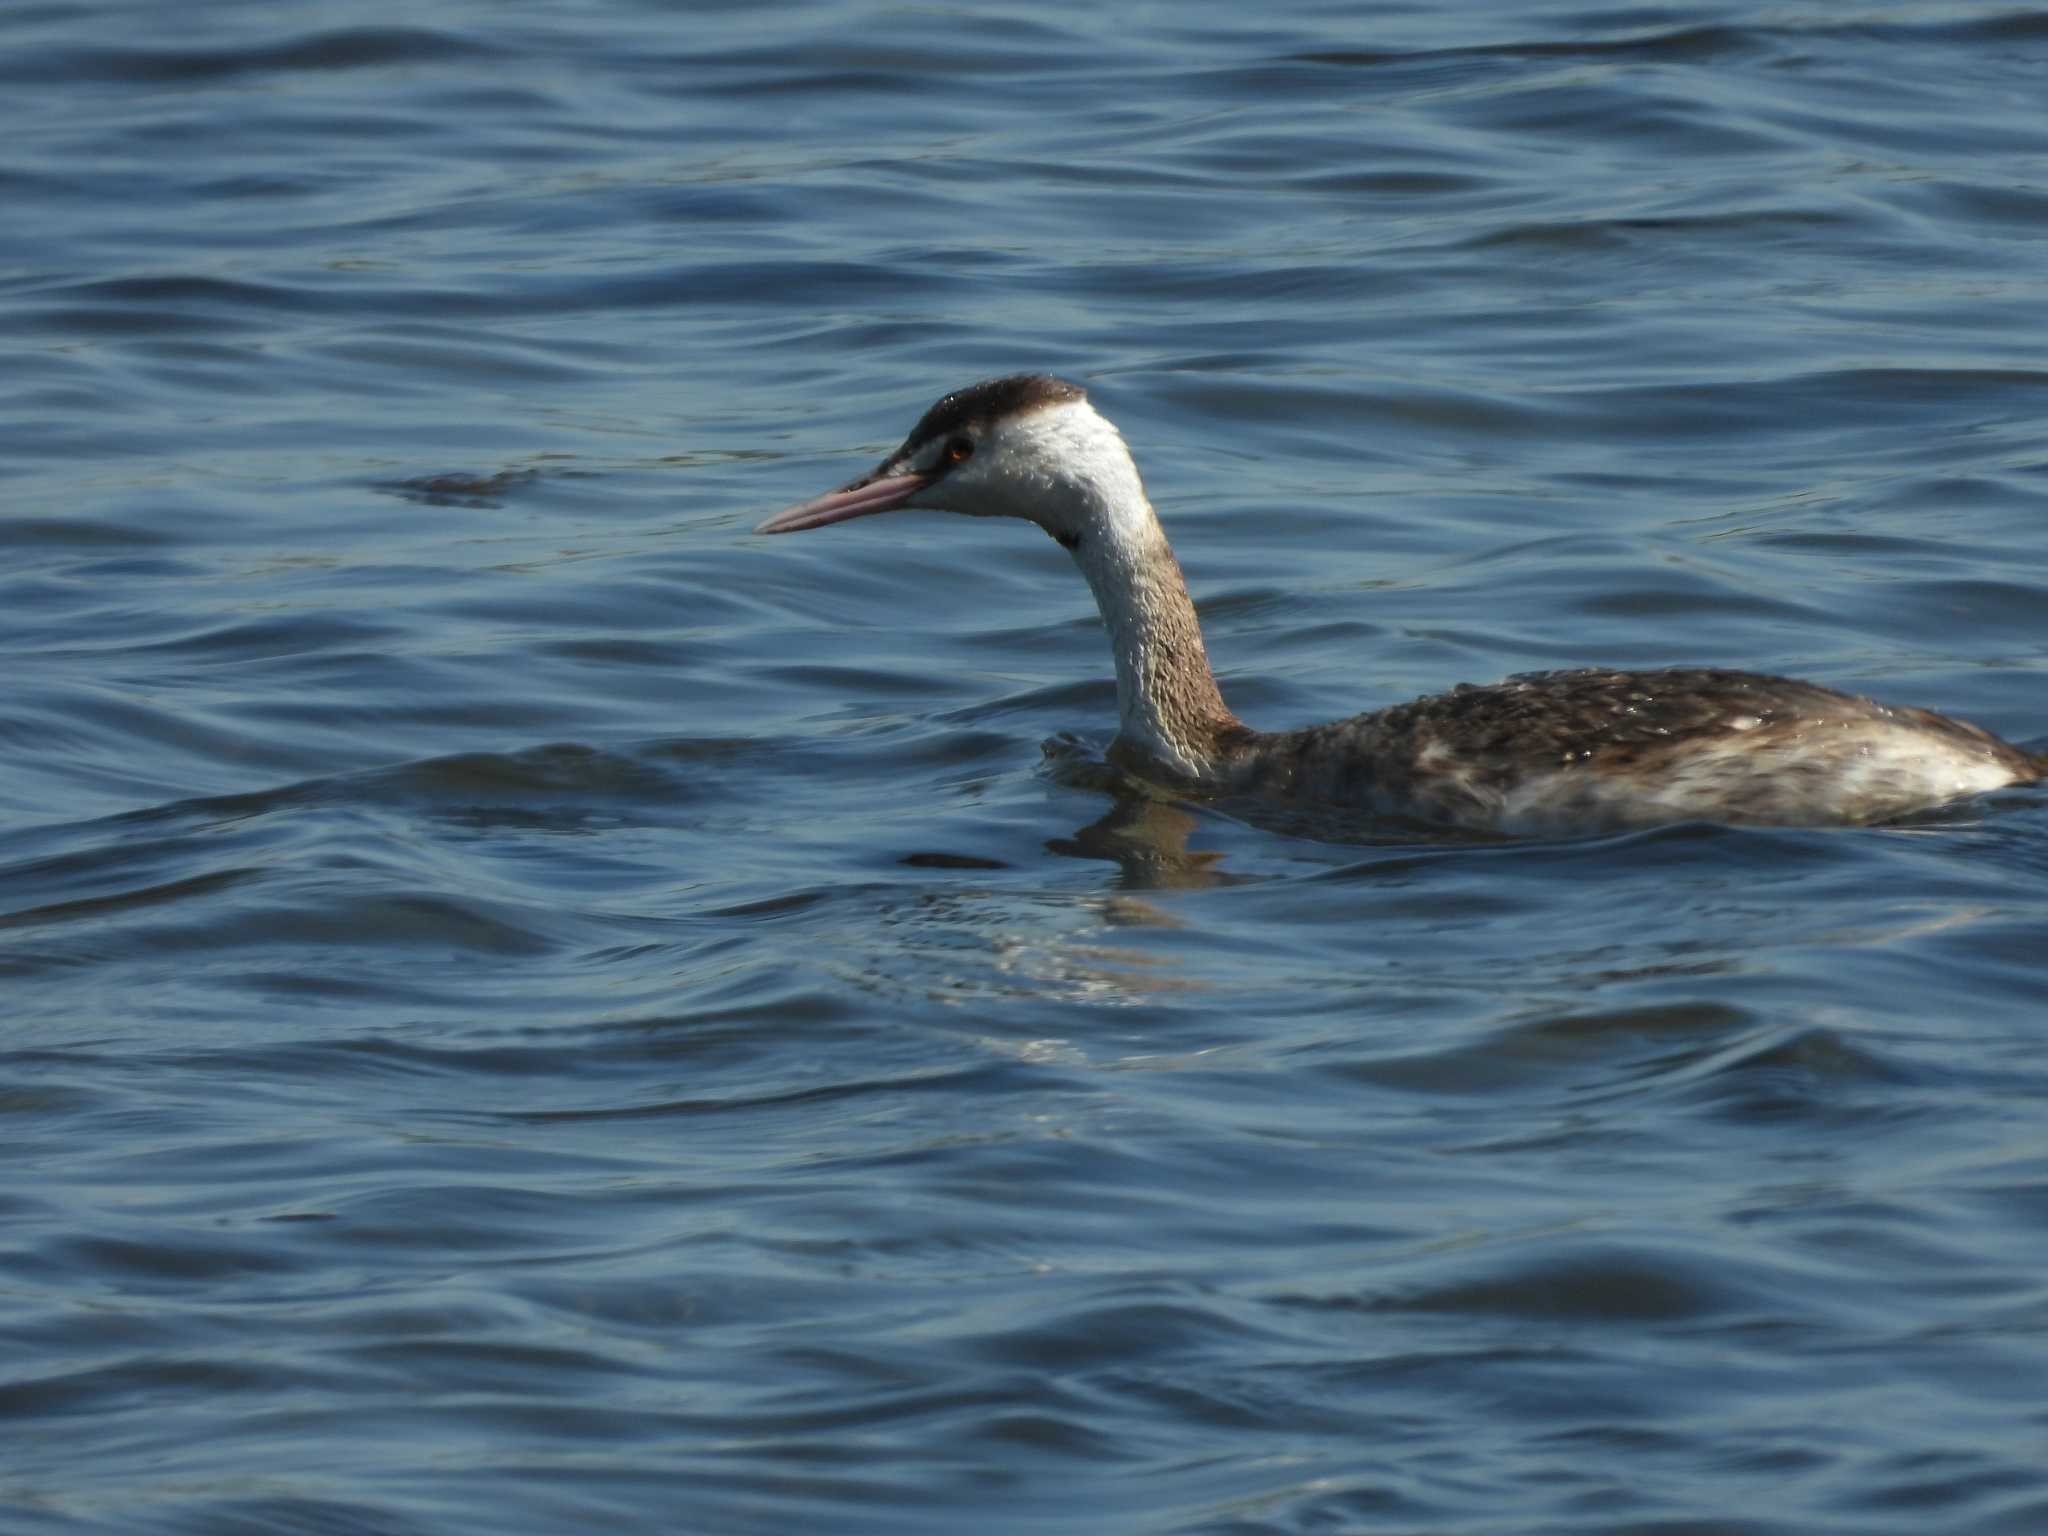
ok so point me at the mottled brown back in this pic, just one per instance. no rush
(1623, 748)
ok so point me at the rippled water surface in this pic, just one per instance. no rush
(528, 1009)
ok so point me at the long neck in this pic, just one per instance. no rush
(1169, 709)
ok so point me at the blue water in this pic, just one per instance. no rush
(528, 1009)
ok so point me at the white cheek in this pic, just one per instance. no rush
(998, 482)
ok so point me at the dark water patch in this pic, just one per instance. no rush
(462, 489)
(1645, 124)
(79, 533)
(1810, 404)
(2019, 211)
(1563, 1051)
(1697, 236)
(341, 49)
(107, 906)
(393, 921)
(270, 638)
(1587, 1283)
(253, 1516)
(158, 1262)
(120, 1390)
(560, 769)
(1814, 1073)
(1328, 417)
(420, 352)
(1699, 44)
(1131, 1332)
(681, 1108)
(168, 305)
(1986, 607)
(1391, 184)
(949, 861)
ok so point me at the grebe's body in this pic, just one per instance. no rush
(1544, 752)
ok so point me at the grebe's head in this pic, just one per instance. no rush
(1028, 446)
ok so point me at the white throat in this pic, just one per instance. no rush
(1082, 487)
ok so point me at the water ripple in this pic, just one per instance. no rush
(530, 1009)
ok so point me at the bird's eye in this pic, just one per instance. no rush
(960, 450)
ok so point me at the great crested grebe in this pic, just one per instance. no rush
(1541, 752)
